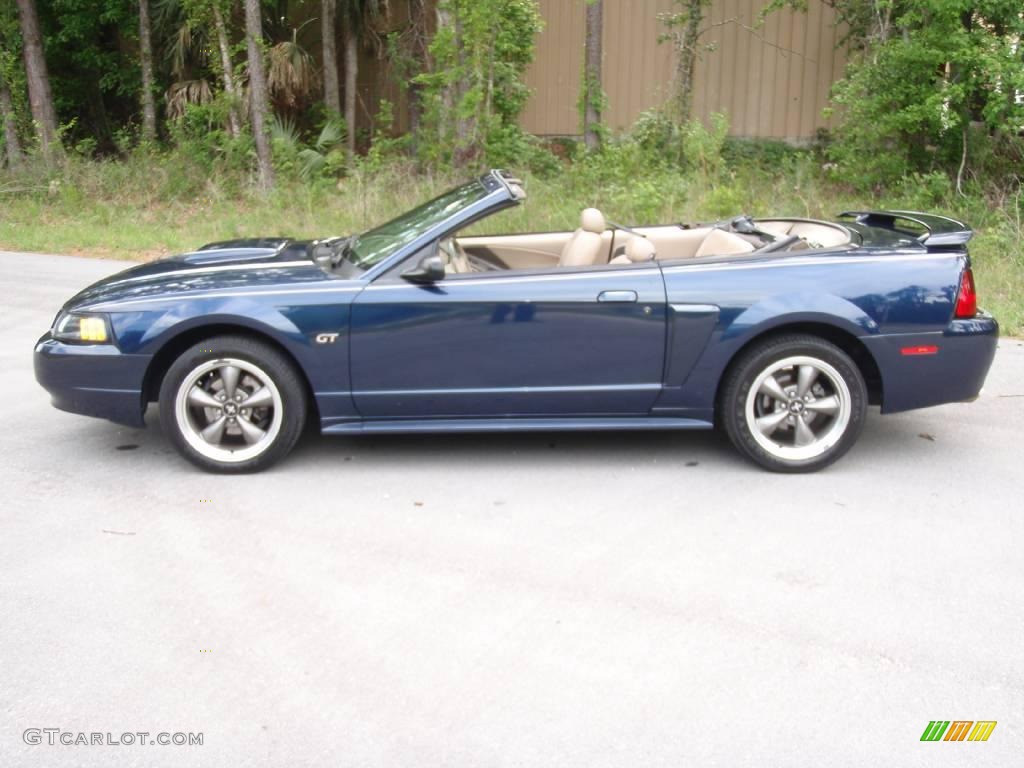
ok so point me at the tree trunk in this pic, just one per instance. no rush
(593, 92)
(328, 31)
(258, 104)
(686, 58)
(446, 123)
(96, 117)
(419, 53)
(464, 126)
(351, 81)
(12, 143)
(146, 55)
(227, 73)
(39, 95)
(456, 87)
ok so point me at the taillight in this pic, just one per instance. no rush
(967, 297)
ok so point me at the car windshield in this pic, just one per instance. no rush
(370, 248)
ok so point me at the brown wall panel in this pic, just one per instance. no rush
(555, 73)
(771, 79)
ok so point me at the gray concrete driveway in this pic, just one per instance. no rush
(532, 600)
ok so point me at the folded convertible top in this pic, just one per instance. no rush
(940, 231)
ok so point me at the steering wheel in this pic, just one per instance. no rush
(457, 258)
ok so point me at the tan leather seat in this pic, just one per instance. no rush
(584, 246)
(777, 228)
(455, 260)
(638, 250)
(817, 234)
(722, 243)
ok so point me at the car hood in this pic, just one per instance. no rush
(230, 265)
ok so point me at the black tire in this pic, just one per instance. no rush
(737, 407)
(285, 417)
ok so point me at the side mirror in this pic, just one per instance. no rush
(430, 270)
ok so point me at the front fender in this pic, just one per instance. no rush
(294, 327)
(147, 332)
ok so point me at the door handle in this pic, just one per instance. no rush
(617, 296)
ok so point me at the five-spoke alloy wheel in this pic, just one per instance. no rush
(232, 404)
(795, 403)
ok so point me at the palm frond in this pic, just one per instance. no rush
(167, 15)
(359, 14)
(311, 163)
(292, 74)
(331, 135)
(187, 44)
(284, 131)
(185, 92)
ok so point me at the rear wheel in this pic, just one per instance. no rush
(232, 404)
(795, 403)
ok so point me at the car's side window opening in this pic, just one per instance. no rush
(598, 243)
(590, 246)
(459, 265)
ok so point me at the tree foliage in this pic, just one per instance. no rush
(933, 85)
(475, 90)
(94, 70)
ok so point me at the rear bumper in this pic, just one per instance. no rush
(92, 379)
(913, 376)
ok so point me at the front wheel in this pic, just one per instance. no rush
(232, 404)
(795, 403)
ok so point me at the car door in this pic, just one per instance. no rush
(587, 342)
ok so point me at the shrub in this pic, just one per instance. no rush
(928, 82)
(691, 146)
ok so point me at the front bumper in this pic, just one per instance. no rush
(954, 373)
(92, 379)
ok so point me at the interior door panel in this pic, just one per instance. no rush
(532, 251)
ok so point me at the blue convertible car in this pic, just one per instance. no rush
(780, 330)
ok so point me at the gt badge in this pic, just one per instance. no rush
(326, 338)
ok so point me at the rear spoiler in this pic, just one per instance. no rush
(939, 231)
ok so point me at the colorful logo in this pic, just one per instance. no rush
(958, 730)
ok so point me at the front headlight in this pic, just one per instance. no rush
(88, 328)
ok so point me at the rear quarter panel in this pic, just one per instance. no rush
(881, 297)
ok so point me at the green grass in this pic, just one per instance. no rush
(154, 205)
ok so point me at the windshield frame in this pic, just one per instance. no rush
(494, 194)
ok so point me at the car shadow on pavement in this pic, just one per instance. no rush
(882, 440)
(526, 448)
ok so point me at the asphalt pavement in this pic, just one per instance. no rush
(630, 600)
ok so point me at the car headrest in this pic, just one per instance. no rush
(592, 220)
(640, 249)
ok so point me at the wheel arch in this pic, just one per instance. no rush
(842, 338)
(174, 346)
